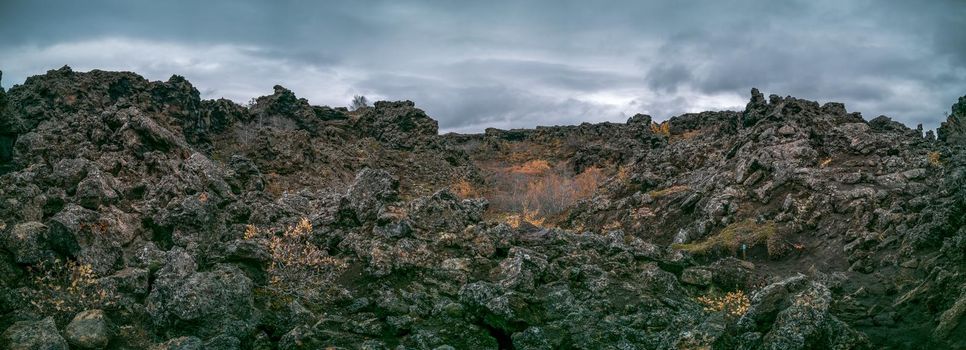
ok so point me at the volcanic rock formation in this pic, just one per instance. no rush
(134, 214)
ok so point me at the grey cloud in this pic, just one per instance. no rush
(537, 73)
(474, 107)
(512, 63)
(668, 76)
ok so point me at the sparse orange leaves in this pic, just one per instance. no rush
(533, 167)
(464, 189)
(554, 192)
(536, 190)
(586, 182)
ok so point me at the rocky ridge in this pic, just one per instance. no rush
(134, 214)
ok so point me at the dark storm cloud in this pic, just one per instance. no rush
(516, 63)
(668, 76)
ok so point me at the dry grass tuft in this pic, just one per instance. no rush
(613, 225)
(825, 162)
(731, 238)
(623, 173)
(687, 135)
(465, 189)
(529, 217)
(668, 191)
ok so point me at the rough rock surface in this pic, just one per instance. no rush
(88, 330)
(953, 130)
(27, 335)
(199, 224)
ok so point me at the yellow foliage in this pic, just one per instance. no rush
(935, 158)
(825, 162)
(663, 128)
(731, 238)
(531, 217)
(251, 232)
(734, 304)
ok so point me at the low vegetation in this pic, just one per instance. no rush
(299, 268)
(62, 288)
(533, 191)
(534, 168)
(687, 135)
(465, 189)
(656, 194)
(733, 304)
(747, 233)
(527, 217)
(935, 159)
(825, 162)
(662, 128)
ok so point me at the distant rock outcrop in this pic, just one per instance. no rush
(398, 124)
(953, 130)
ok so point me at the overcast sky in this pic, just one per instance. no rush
(477, 64)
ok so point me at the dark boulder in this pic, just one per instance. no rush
(206, 303)
(27, 335)
(27, 242)
(370, 192)
(89, 330)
